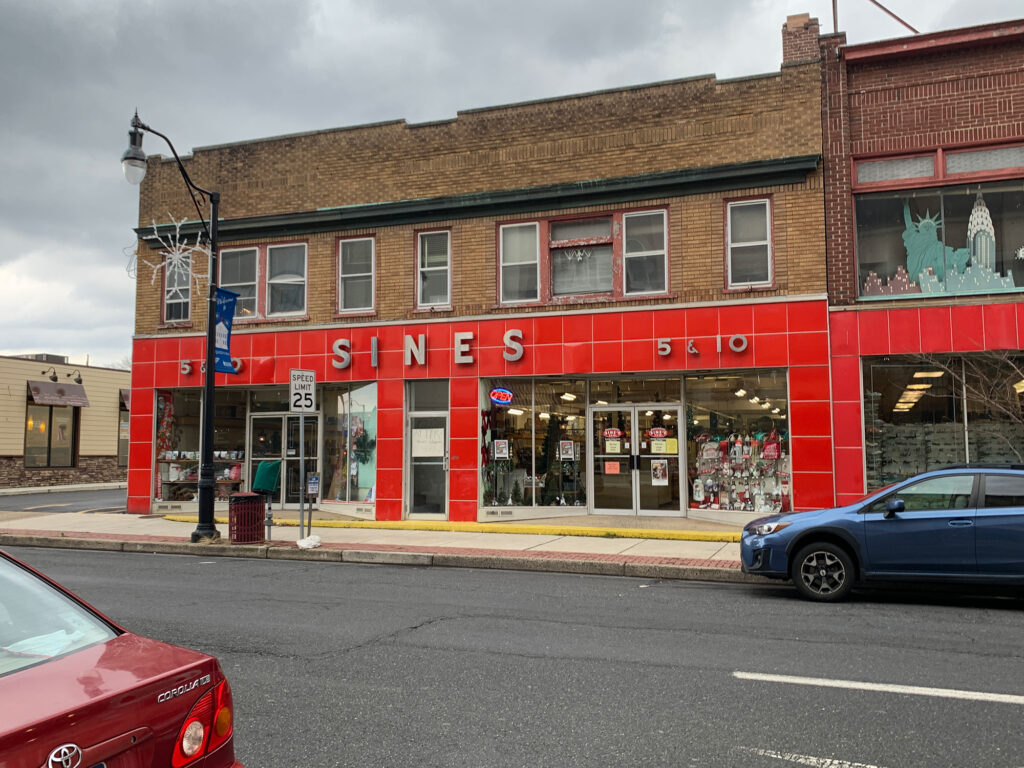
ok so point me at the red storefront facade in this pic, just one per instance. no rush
(691, 345)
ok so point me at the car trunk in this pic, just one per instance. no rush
(122, 702)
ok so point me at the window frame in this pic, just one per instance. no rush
(165, 290)
(447, 303)
(764, 285)
(941, 175)
(268, 282)
(340, 276)
(545, 247)
(75, 436)
(257, 314)
(626, 215)
(501, 262)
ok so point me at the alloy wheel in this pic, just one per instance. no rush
(823, 573)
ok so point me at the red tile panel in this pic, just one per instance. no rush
(968, 328)
(736, 319)
(391, 394)
(389, 483)
(168, 375)
(313, 343)
(670, 322)
(846, 379)
(638, 355)
(843, 332)
(702, 322)
(462, 511)
(608, 356)
(770, 349)
(810, 454)
(1001, 326)
(462, 485)
(637, 325)
(142, 402)
(808, 348)
(143, 351)
(848, 425)
(547, 330)
(142, 374)
(464, 392)
(807, 316)
(140, 428)
(464, 453)
(904, 331)
(576, 328)
(388, 509)
(490, 361)
(813, 490)
(850, 472)
(936, 329)
(809, 383)
(873, 330)
(547, 359)
(811, 418)
(607, 327)
(771, 318)
(577, 357)
(264, 344)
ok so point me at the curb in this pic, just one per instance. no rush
(526, 529)
(604, 565)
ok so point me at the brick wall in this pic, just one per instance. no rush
(940, 97)
(90, 469)
(684, 124)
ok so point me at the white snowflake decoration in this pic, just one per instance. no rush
(178, 256)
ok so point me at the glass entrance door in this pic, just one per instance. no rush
(276, 438)
(428, 458)
(635, 462)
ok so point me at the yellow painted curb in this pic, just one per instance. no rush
(540, 530)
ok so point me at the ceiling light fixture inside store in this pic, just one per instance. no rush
(919, 386)
(543, 415)
(601, 402)
(568, 396)
(648, 413)
(755, 399)
(928, 374)
(667, 417)
(775, 410)
(741, 392)
(515, 411)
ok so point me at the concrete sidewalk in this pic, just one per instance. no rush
(562, 545)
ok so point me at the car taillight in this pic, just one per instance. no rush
(208, 725)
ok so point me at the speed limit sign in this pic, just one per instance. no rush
(301, 392)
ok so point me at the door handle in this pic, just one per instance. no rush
(961, 522)
(446, 462)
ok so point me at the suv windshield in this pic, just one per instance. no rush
(38, 623)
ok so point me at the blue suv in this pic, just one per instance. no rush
(962, 523)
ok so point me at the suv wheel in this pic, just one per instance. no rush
(822, 571)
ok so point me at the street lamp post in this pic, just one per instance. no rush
(133, 162)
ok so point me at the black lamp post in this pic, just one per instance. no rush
(133, 162)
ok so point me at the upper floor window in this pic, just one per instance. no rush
(238, 273)
(748, 244)
(434, 269)
(613, 255)
(520, 263)
(965, 238)
(355, 275)
(177, 289)
(286, 279)
(645, 267)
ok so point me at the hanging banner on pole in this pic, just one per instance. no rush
(222, 346)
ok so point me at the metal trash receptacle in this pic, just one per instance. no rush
(245, 518)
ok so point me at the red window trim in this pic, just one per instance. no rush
(772, 284)
(617, 293)
(940, 177)
(262, 274)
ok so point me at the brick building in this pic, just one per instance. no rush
(613, 302)
(924, 196)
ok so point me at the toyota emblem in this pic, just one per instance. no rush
(65, 756)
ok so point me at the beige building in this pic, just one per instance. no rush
(61, 424)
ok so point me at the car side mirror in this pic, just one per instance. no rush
(892, 506)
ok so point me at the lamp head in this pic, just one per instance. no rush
(53, 373)
(133, 161)
(78, 376)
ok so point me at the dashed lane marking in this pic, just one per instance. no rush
(815, 762)
(913, 690)
(45, 506)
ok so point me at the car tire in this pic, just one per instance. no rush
(822, 571)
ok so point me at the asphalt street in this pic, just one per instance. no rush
(347, 664)
(83, 501)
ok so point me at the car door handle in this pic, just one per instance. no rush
(961, 522)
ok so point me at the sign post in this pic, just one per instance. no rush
(302, 400)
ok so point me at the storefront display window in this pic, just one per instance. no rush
(534, 450)
(962, 239)
(177, 443)
(738, 442)
(923, 413)
(350, 442)
(50, 436)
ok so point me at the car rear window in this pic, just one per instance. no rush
(1004, 491)
(39, 623)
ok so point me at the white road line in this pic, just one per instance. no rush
(815, 762)
(913, 690)
(45, 506)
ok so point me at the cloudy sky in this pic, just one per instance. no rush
(215, 71)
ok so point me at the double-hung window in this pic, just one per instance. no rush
(645, 268)
(177, 289)
(749, 249)
(355, 275)
(238, 269)
(434, 269)
(581, 256)
(286, 279)
(520, 263)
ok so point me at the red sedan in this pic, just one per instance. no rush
(78, 691)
